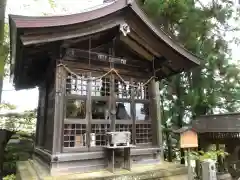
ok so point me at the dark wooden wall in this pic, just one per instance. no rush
(46, 109)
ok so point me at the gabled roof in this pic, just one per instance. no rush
(26, 31)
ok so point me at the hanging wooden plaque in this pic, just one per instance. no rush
(188, 139)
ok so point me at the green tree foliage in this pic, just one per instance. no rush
(201, 26)
(21, 125)
(17, 122)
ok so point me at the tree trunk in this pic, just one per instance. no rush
(2, 48)
(5, 135)
(180, 111)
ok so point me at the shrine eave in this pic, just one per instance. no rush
(27, 22)
(215, 123)
(28, 31)
(66, 20)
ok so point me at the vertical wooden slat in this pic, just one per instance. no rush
(60, 86)
(45, 86)
(112, 103)
(133, 114)
(156, 115)
(38, 120)
(40, 125)
(89, 109)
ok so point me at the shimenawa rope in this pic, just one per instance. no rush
(102, 76)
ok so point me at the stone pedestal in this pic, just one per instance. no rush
(224, 176)
(27, 170)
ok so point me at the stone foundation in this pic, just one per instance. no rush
(27, 170)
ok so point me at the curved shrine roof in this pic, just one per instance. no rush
(65, 20)
(21, 26)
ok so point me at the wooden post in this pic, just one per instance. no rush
(112, 104)
(190, 172)
(156, 115)
(59, 112)
(133, 114)
(89, 109)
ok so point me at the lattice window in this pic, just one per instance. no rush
(76, 85)
(101, 87)
(143, 133)
(74, 135)
(100, 131)
(122, 89)
(124, 127)
(142, 111)
(140, 91)
(126, 95)
(76, 109)
(100, 109)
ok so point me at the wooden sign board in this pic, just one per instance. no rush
(188, 139)
(78, 53)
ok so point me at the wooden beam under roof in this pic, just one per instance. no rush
(70, 34)
(137, 48)
(140, 40)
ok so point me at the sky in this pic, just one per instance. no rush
(28, 99)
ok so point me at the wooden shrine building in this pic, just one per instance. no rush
(221, 130)
(97, 72)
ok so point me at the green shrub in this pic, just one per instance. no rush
(10, 177)
(17, 151)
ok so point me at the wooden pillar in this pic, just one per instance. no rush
(156, 115)
(38, 129)
(89, 109)
(59, 113)
(133, 114)
(112, 104)
(41, 116)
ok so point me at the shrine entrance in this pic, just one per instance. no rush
(102, 104)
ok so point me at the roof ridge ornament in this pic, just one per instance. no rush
(124, 28)
(129, 1)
